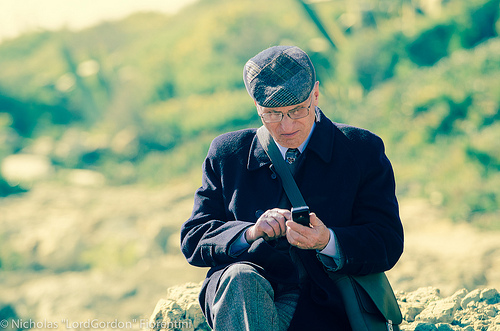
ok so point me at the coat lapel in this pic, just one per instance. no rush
(257, 157)
(321, 141)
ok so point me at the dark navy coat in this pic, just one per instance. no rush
(345, 178)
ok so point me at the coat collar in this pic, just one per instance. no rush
(321, 143)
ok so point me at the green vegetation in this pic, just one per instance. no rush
(140, 100)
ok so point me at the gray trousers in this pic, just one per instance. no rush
(245, 300)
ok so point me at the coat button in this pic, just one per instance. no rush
(273, 176)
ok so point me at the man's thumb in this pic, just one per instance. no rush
(314, 220)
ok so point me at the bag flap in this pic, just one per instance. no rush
(366, 302)
(379, 289)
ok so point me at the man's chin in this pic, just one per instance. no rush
(289, 144)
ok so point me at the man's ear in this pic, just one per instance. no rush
(316, 93)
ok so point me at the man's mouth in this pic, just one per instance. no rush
(289, 135)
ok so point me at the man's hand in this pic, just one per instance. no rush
(315, 236)
(270, 225)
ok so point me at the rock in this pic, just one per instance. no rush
(180, 309)
(423, 310)
(490, 295)
(413, 303)
(442, 311)
(446, 327)
(410, 311)
(438, 312)
(459, 295)
(425, 327)
(422, 295)
(473, 296)
(418, 326)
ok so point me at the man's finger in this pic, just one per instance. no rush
(268, 231)
(275, 225)
(314, 220)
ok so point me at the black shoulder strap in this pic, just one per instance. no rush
(291, 188)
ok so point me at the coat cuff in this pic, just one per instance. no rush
(240, 245)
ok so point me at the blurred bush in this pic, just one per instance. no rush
(139, 100)
(442, 131)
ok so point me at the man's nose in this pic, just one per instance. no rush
(287, 123)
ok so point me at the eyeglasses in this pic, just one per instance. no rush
(294, 114)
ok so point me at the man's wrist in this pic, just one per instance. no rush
(322, 247)
(331, 248)
(248, 236)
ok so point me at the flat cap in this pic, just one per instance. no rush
(279, 76)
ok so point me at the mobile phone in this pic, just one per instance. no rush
(301, 215)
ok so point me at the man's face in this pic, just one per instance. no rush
(291, 133)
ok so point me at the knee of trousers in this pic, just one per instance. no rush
(244, 275)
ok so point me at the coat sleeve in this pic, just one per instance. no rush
(374, 240)
(207, 235)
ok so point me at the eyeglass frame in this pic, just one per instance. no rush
(288, 113)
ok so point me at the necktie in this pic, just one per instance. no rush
(291, 155)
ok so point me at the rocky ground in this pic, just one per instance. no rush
(423, 310)
(79, 253)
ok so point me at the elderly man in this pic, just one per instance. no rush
(268, 272)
